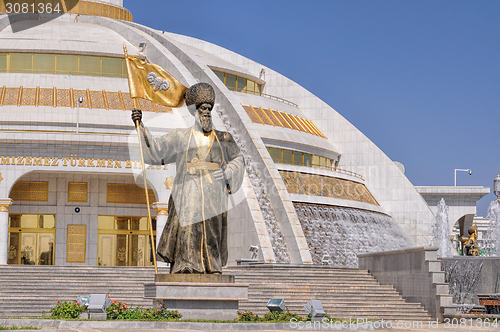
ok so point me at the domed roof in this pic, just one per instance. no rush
(64, 35)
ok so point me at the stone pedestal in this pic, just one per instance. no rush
(198, 296)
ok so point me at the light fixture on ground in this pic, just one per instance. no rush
(315, 308)
(276, 305)
(461, 170)
(97, 306)
(83, 300)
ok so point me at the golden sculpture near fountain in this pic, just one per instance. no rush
(469, 243)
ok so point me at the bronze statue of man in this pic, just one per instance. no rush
(209, 167)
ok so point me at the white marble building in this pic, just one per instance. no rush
(68, 172)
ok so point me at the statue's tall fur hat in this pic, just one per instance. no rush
(198, 94)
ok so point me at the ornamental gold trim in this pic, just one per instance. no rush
(325, 186)
(281, 119)
(120, 193)
(55, 97)
(30, 191)
(76, 244)
(78, 192)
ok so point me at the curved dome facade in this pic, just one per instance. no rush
(316, 189)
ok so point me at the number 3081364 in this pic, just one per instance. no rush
(24, 7)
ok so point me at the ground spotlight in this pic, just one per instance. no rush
(254, 250)
(315, 308)
(276, 305)
(98, 303)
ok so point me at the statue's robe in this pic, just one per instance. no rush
(194, 239)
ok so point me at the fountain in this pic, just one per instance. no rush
(349, 232)
(441, 231)
(493, 233)
(476, 280)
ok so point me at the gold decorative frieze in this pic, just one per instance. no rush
(63, 98)
(281, 119)
(320, 185)
(28, 97)
(78, 192)
(46, 97)
(97, 99)
(30, 191)
(76, 244)
(119, 193)
(11, 96)
(55, 97)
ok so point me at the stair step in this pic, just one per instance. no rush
(27, 291)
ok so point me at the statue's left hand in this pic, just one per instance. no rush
(218, 174)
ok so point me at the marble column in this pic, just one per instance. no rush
(161, 219)
(5, 203)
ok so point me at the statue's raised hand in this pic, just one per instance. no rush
(136, 116)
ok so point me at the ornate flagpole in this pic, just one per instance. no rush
(153, 245)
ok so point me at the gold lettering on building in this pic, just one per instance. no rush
(73, 161)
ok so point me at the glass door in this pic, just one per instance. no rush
(31, 239)
(124, 241)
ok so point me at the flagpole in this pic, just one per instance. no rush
(153, 246)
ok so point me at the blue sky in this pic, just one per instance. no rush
(421, 79)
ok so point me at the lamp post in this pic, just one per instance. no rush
(461, 170)
(78, 102)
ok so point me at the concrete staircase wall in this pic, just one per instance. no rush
(27, 291)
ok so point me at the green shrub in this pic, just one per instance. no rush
(118, 310)
(67, 309)
(247, 316)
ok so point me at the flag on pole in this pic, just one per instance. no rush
(150, 81)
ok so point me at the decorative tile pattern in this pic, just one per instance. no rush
(76, 244)
(30, 191)
(63, 98)
(68, 98)
(46, 97)
(97, 99)
(127, 101)
(78, 192)
(119, 193)
(29, 97)
(114, 101)
(11, 96)
(320, 185)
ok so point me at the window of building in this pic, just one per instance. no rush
(239, 83)
(62, 64)
(31, 239)
(291, 157)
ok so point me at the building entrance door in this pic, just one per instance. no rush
(31, 239)
(124, 241)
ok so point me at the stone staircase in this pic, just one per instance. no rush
(28, 291)
(344, 293)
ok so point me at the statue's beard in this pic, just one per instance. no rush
(206, 124)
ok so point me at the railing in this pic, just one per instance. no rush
(280, 100)
(328, 168)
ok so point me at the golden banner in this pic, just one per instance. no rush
(151, 82)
